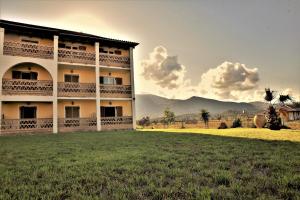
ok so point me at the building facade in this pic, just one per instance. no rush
(288, 113)
(56, 80)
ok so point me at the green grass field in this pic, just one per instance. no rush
(188, 164)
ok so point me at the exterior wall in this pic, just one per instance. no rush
(85, 75)
(18, 38)
(125, 75)
(11, 110)
(43, 74)
(127, 111)
(87, 107)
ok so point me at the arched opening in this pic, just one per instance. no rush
(27, 79)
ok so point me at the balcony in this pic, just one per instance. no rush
(77, 124)
(115, 91)
(27, 87)
(27, 50)
(114, 60)
(76, 56)
(26, 125)
(114, 123)
(68, 89)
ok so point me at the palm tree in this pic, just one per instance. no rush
(284, 98)
(269, 95)
(205, 117)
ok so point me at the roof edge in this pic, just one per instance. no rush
(64, 32)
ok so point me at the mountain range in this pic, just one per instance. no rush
(153, 106)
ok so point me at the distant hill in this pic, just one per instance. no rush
(153, 106)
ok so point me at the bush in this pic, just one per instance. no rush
(223, 125)
(236, 123)
(145, 121)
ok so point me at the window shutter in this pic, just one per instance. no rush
(119, 81)
(119, 111)
(67, 78)
(16, 74)
(68, 111)
(102, 111)
(75, 79)
(101, 80)
(76, 113)
(33, 75)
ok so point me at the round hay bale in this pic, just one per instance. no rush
(259, 120)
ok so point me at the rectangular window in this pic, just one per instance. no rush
(111, 111)
(71, 78)
(106, 80)
(109, 80)
(108, 111)
(27, 112)
(24, 75)
(72, 111)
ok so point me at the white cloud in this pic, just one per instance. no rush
(163, 69)
(229, 80)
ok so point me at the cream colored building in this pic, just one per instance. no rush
(56, 80)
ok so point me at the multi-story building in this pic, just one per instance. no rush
(56, 80)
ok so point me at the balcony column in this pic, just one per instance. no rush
(132, 88)
(97, 68)
(54, 77)
(1, 40)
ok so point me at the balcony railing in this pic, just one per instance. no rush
(76, 56)
(26, 125)
(66, 89)
(27, 87)
(115, 123)
(114, 60)
(77, 124)
(27, 50)
(115, 91)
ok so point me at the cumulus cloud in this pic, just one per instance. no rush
(163, 69)
(230, 80)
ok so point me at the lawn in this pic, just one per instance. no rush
(227, 164)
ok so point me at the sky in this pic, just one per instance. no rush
(222, 49)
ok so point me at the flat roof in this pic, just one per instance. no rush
(63, 34)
